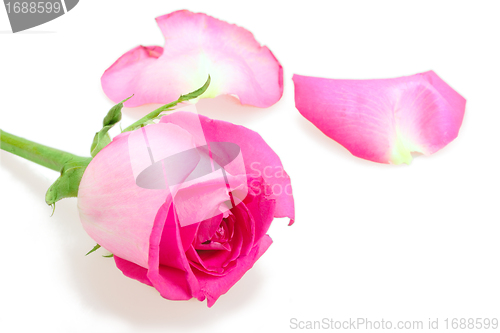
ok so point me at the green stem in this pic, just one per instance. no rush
(48, 157)
(167, 107)
(150, 116)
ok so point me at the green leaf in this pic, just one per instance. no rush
(167, 107)
(95, 248)
(66, 186)
(102, 138)
(108, 256)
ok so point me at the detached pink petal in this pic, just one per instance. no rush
(196, 45)
(383, 120)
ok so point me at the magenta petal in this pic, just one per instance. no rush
(383, 120)
(261, 209)
(218, 262)
(188, 234)
(211, 265)
(213, 287)
(196, 45)
(245, 226)
(169, 270)
(132, 270)
(207, 229)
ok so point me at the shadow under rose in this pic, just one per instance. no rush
(30, 174)
(106, 290)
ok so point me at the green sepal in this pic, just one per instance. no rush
(108, 255)
(167, 107)
(66, 186)
(102, 138)
(95, 248)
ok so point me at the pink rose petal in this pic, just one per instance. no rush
(207, 229)
(260, 160)
(132, 270)
(113, 209)
(383, 120)
(261, 209)
(169, 270)
(196, 45)
(213, 287)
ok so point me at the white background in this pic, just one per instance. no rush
(370, 240)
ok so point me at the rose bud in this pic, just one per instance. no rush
(184, 205)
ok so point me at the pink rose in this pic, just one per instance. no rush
(198, 235)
